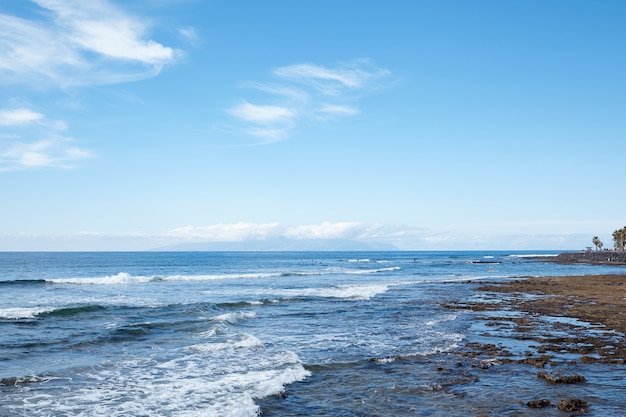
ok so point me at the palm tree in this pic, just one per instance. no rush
(596, 241)
(619, 238)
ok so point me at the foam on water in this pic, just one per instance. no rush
(235, 317)
(243, 341)
(370, 271)
(348, 292)
(121, 278)
(17, 313)
(353, 292)
(210, 334)
(218, 376)
(124, 278)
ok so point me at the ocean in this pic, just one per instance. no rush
(250, 334)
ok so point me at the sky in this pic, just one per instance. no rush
(420, 125)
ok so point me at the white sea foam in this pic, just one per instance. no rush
(216, 277)
(354, 292)
(121, 278)
(369, 271)
(124, 278)
(351, 292)
(234, 317)
(17, 313)
(195, 384)
(443, 319)
(538, 255)
(243, 341)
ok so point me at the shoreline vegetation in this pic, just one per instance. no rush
(566, 324)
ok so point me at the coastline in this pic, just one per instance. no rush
(596, 299)
(556, 335)
(603, 257)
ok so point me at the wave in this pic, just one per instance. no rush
(349, 292)
(243, 304)
(370, 271)
(124, 278)
(23, 282)
(235, 317)
(190, 385)
(243, 341)
(21, 313)
(72, 311)
(117, 279)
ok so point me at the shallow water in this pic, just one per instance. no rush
(240, 334)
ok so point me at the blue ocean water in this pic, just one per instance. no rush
(226, 334)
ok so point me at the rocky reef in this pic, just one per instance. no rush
(603, 257)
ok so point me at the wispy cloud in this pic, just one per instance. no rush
(225, 232)
(30, 140)
(404, 237)
(242, 231)
(21, 116)
(268, 122)
(332, 81)
(75, 42)
(262, 113)
(336, 110)
(189, 34)
(304, 91)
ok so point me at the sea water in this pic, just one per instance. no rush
(229, 334)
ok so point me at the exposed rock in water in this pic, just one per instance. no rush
(572, 379)
(572, 404)
(539, 403)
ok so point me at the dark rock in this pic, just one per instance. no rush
(571, 379)
(8, 382)
(572, 404)
(604, 257)
(539, 403)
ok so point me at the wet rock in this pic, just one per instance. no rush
(571, 379)
(539, 403)
(539, 362)
(572, 404)
(8, 382)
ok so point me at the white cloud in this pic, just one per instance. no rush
(337, 110)
(34, 141)
(236, 232)
(189, 33)
(74, 42)
(261, 114)
(307, 91)
(227, 232)
(326, 230)
(21, 116)
(54, 152)
(270, 135)
(402, 237)
(332, 81)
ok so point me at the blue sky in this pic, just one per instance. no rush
(129, 125)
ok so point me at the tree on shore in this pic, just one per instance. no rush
(596, 241)
(619, 239)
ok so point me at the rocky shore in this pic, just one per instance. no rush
(564, 327)
(604, 257)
